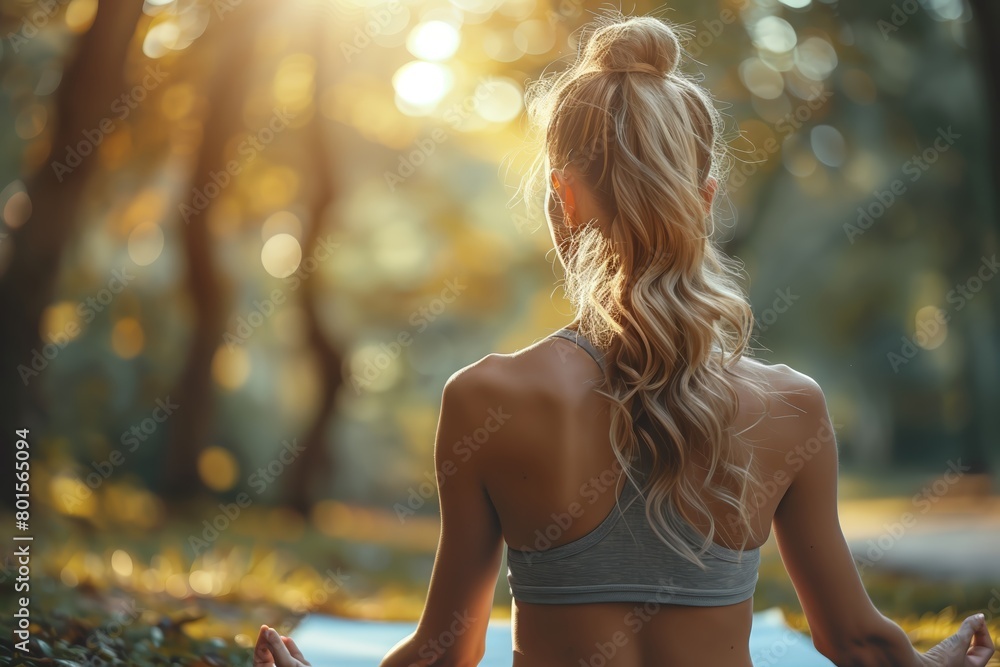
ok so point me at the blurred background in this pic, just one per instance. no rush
(244, 243)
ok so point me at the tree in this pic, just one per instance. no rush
(229, 86)
(91, 81)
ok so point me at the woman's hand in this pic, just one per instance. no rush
(273, 650)
(971, 646)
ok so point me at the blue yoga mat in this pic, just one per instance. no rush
(336, 642)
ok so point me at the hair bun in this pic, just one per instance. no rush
(641, 44)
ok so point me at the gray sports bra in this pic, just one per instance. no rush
(622, 560)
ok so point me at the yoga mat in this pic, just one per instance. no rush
(327, 641)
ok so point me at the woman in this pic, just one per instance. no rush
(633, 463)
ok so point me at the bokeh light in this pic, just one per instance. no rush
(281, 222)
(433, 40)
(773, 33)
(420, 85)
(218, 468)
(80, 14)
(121, 563)
(230, 367)
(281, 255)
(931, 327)
(145, 243)
(815, 58)
(503, 103)
(760, 79)
(61, 322)
(16, 206)
(161, 39)
(828, 145)
(534, 37)
(127, 338)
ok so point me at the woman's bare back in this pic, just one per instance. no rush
(553, 455)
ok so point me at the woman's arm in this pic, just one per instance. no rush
(846, 627)
(452, 628)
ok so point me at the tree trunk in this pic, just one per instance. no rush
(316, 462)
(194, 391)
(91, 81)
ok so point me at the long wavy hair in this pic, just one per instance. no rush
(654, 293)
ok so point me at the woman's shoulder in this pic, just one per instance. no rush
(534, 369)
(778, 378)
(795, 402)
(493, 373)
(516, 377)
(542, 384)
(504, 404)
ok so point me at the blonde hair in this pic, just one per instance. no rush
(655, 294)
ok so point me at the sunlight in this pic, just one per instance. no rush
(433, 40)
(161, 39)
(420, 85)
